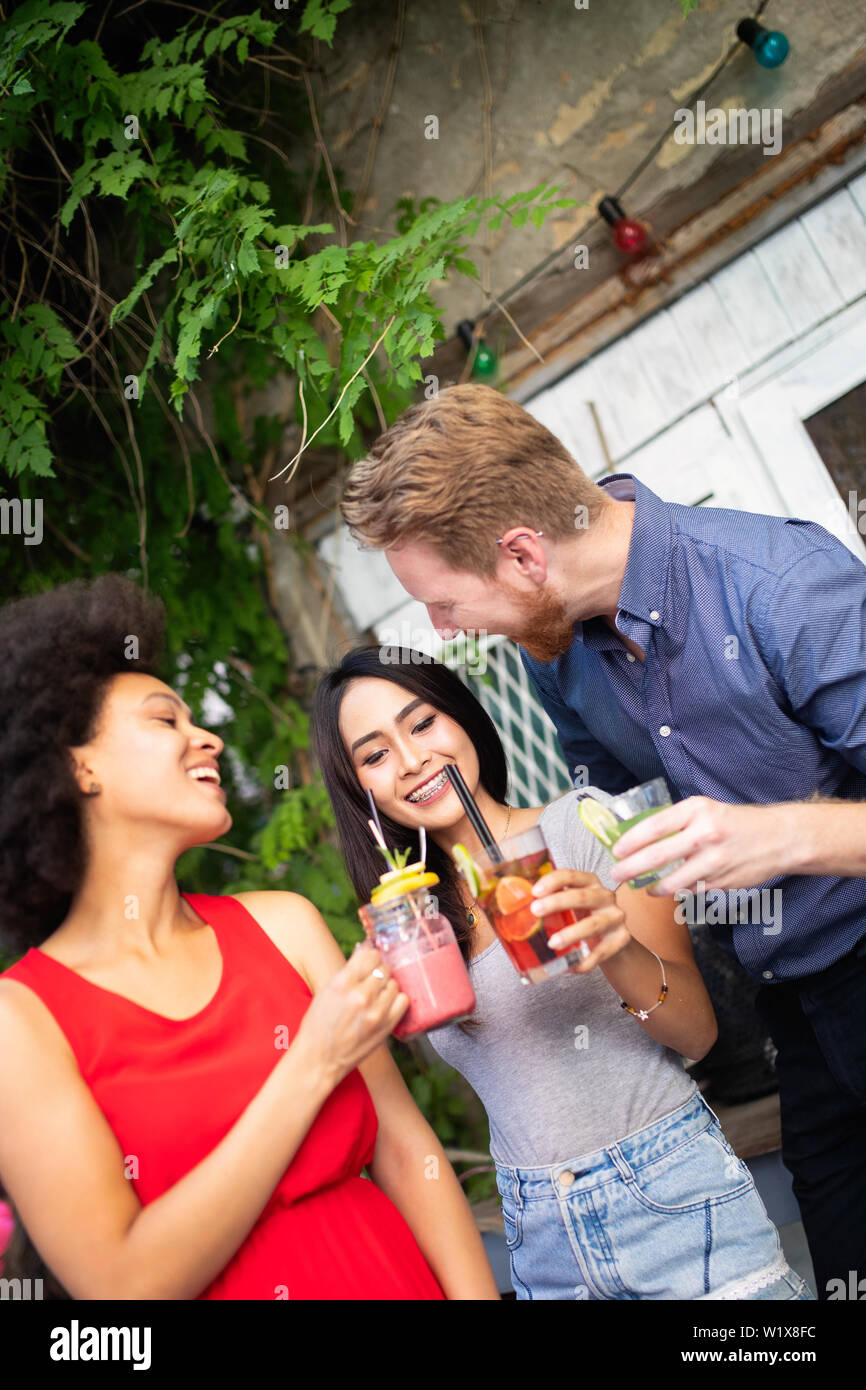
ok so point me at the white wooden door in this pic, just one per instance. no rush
(767, 418)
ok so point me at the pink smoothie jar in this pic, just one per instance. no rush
(418, 944)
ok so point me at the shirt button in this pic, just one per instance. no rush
(654, 615)
(768, 974)
(581, 1291)
(566, 1178)
(629, 656)
(664, 730)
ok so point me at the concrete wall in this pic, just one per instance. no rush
(579, 96)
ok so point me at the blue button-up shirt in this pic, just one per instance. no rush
(753, 691)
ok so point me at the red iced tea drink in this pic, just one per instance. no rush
(506, 896)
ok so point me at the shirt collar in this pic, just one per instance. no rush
(646, 569)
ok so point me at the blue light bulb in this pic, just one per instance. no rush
(770, 46)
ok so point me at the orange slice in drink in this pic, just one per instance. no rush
(514, 921)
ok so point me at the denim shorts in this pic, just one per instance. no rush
(668, 1212)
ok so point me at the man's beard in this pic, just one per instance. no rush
(547, 631)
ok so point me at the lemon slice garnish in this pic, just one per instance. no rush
(399, 881)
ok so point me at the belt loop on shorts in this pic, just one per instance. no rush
(518, 1193)
(512, 1183)
(622, 1164)
(705, 1105)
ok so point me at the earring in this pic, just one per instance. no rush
(94, 789)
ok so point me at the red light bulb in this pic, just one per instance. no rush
(629, 235)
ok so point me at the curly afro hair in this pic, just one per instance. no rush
(58, 652)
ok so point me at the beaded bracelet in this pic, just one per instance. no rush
(645, 1013)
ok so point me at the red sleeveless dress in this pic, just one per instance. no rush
(171, 1089)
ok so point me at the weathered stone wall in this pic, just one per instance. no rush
(579, 96)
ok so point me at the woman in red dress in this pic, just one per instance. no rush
(190, 1085)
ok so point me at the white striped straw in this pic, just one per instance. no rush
(377, 834)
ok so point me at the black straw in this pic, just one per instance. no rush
(476, 820)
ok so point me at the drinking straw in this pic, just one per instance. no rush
(476, 820)
(376, 828)
(378, 837)
(423, 838)
(419, 916)
(372, 801)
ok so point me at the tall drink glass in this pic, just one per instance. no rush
(634, 806)
(506, 897)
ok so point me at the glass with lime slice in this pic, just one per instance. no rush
(609, 821)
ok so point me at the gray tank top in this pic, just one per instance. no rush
(560, 1068)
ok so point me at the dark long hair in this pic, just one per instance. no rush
(439, 686)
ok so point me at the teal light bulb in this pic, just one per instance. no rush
(771, 48)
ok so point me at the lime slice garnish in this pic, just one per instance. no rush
(467, 867)
(597, 818)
